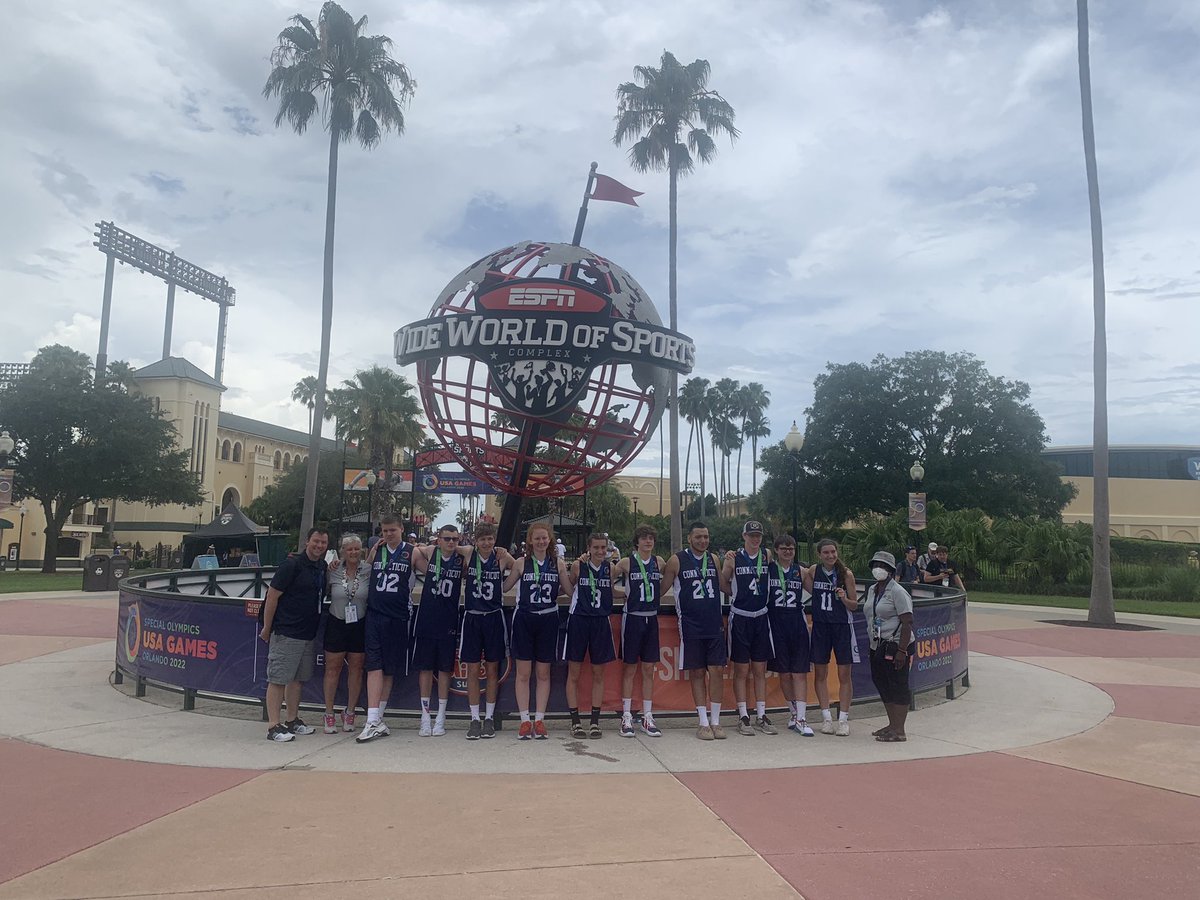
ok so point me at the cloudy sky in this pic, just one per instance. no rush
(910, 176)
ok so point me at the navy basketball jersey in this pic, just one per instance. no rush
(392, 577)
(485, 583)
(750, 581)
(698, 595)
(786, 587)
(438, 610)
(593, 594)
(645, 585)
(538, 588)
(826, 607)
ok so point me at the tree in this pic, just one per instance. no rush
(754, 427)
(305, 392)
(749, 399)
(976, 435)
(360, 90)
(672, 117)
(720, 411)
(79, 442)
(692, 407)
(1100, 608)
(377, 409)
(121, 375)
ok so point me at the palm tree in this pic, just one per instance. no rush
(360, 90)
(305, 392)
(749, 399)
(754, 427)
(720, 406)
(377, 409)
(673, 117)
(1100, 606)
(692, 408)
(121, 375)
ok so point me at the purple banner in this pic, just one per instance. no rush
(212, 646)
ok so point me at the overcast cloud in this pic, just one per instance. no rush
(910, 176)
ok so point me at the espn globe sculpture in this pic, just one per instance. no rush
(543, 368)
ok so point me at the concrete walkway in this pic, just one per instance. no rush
(1071, 769)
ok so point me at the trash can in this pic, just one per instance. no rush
(118, 568)
(95, 573)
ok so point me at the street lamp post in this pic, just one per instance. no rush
(635, 503)
(794, 442)
(20, 536)
(370, 479)
(917, 506)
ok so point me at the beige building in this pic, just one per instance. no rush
(1154, 492)
(237, 459)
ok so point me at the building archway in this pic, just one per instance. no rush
(231, 495)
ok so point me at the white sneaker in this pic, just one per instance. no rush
(627, 725)
(843, 728)
(827, 726)
(426, 728)
(439, 727)
(803, 729)
(791, 725)
(371, 731)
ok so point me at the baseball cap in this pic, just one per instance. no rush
(752, 527)
(933, 546)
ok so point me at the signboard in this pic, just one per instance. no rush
(916, 511)
(453, 483)
(356, 480)
(214, 646)
(1193, 466)
(6, 486)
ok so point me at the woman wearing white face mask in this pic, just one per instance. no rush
(889, 611)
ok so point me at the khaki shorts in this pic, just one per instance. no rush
(290, 659)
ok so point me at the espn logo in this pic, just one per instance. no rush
(541, 297)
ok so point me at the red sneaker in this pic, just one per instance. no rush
(539, 730)
(525, 732)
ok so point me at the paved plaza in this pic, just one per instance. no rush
(1070, 769)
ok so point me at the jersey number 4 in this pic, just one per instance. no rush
(703, 589)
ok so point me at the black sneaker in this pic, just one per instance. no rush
(474, 730)
(279, 733)
(489, 728)
(297, 726)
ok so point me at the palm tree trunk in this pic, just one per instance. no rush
(314, 431)
(687, 464)
(716, 472)
(1100, 606)
(739, 462)
(754, 465)
(673, 304)
(700, 457)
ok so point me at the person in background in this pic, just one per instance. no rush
(889, 611)
(925, 558)
(345, 631)
(374, 538)
(907, 570)
(942, 570)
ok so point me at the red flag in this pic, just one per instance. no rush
(610, 189)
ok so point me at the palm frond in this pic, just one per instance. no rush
(367, 129)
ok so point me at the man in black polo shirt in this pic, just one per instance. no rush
(291, 615)
(942, 570)
(907, 570)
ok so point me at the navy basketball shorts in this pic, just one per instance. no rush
(483, 638)
(535, 636)
(750, 638)
(433, 652)
(639, 639)
(836, 639)
(790, 634)
(385, 643)
(700, 653)
(590, 635)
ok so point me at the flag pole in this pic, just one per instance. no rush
(583, 208)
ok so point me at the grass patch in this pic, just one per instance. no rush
(28, 582)
(1146, 607)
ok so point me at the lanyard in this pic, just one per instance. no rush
(437, 565)
(645, 579)
(478, 569)
(387, 556)
(592, 582)
(782, 578)
(537, 571)
(704, 565)
(350, 587)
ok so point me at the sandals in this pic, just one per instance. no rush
(890, 738)
(594, 731)
(577, 730)
(886, 729)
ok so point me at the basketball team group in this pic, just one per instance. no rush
(375, 631)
